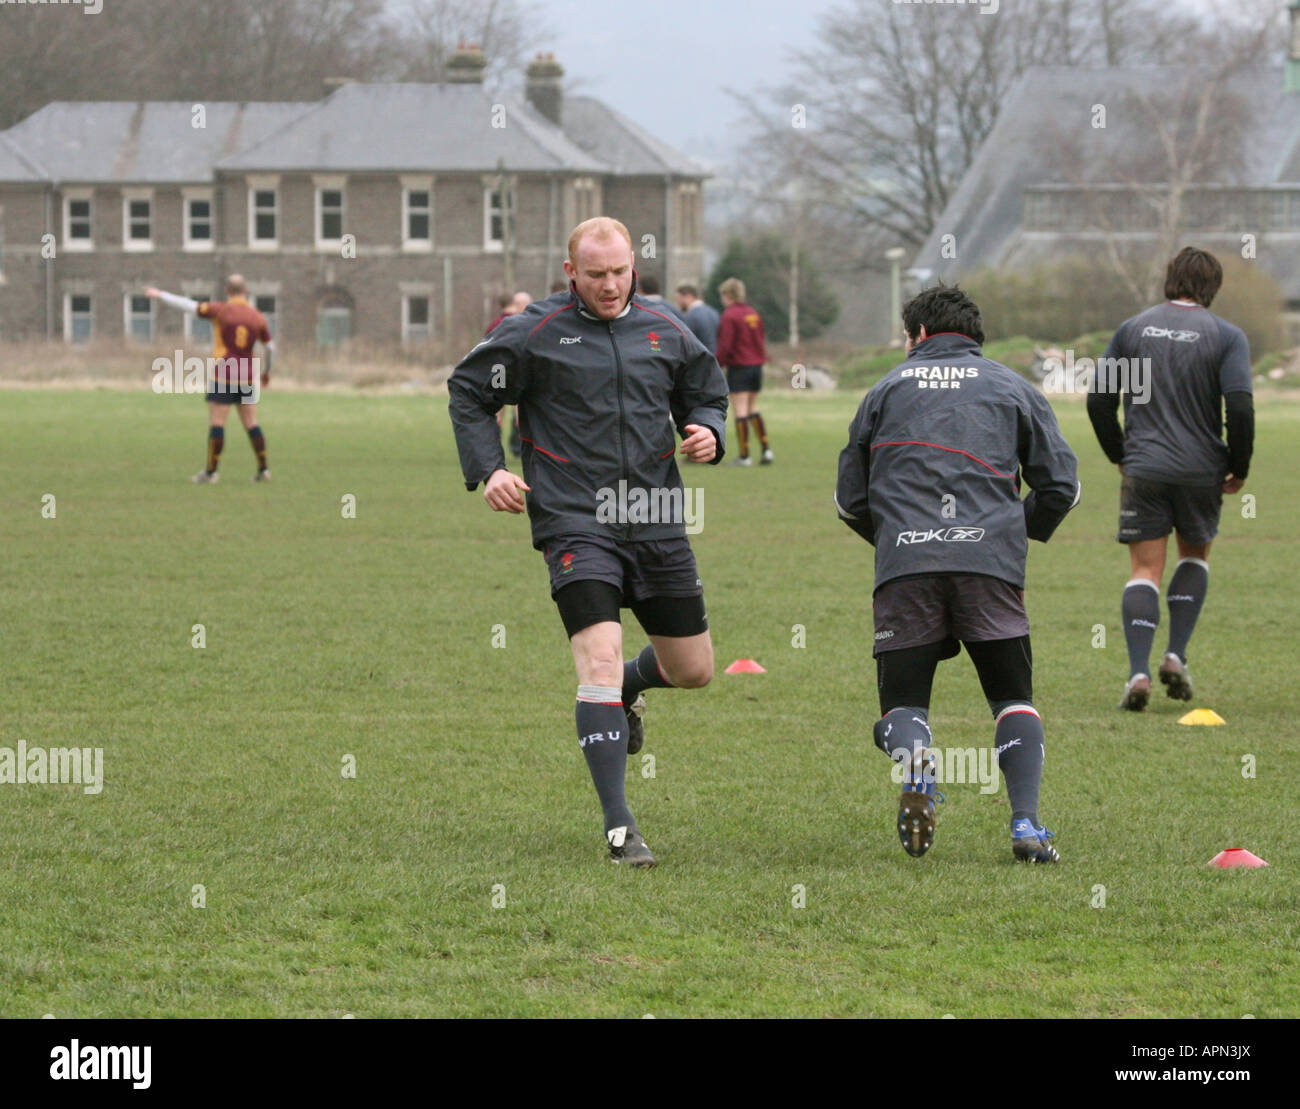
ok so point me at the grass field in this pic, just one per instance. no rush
(373, 637)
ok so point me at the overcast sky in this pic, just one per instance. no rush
(667, 63)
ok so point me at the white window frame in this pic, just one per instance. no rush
(272, 317)
(411, 185)
(134, 196)
(340, 186)
(199, 245)
(424, 292)
(511, 206)
(67, 315)
(688, 201)
(127, 314)
(257, 185)
(69, 243)
(584, 198)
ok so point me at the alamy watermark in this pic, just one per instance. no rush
(178, 374)
(987, 7)
(54, 766)
(92, 7)
(637, 505)
(949, 766)
(1100, 375)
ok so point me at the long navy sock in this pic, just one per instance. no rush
(602, 734)
(901, 733)
(642, 673)
(1018, 741)
(1185, 596)
(1141, 611)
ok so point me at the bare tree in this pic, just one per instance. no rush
(431, 30)
(899, 98)
(1179, 139)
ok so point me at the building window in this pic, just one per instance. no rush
(77, 222)
(265, 303)
(584, 199)
(329, 224)
(417, 218)
(333, 326)
(137, 220)
(78, 318)
(138, 318)
(498, 216)
(263, 217)
(688, 214)
(417, 319)
(198, 223)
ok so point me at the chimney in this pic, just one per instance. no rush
(545, 87)
(1293, 52)
(466, 66)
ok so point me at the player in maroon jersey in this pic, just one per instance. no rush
(234, 377)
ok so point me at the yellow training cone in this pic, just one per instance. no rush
(1202, 716)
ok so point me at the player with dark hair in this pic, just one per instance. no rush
(931, 478)
(602, 378)
(1178, 367)
(236, 327)
(700, 317)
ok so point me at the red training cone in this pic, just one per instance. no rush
(1236, 856)
(744, 666)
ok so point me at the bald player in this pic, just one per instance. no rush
(603, 378)
(236, 327)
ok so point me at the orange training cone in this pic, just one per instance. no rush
(1236, 856)
(744, 666)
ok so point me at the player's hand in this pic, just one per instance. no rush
(1233, 484)
(700, 444)
(152, 293)
(502, 492)
(266, 380)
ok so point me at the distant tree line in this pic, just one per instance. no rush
(236, 50)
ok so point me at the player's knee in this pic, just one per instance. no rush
(601, 664)
(695, 674)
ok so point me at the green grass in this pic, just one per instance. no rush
(372, 637)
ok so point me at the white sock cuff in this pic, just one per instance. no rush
(1015, 708)
(1195, 562)
(1142, 581)
(600, 694)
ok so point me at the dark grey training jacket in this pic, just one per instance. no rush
(598, 402)
(931, 474)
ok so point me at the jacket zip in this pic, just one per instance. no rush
(622, 417)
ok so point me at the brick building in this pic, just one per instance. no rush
(386, 213)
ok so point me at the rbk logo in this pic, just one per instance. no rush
(940, 535)
(570, 339)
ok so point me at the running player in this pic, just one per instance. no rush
(1178, 367)
(236, 327)
(931, 478)
(601, 379)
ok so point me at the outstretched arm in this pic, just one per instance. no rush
(185, 304)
